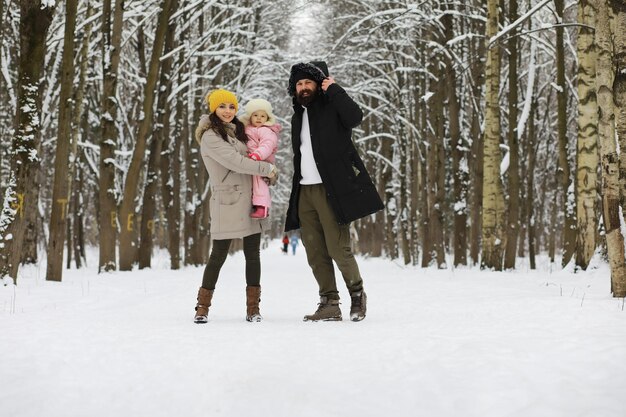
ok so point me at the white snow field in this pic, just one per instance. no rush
(458, 343)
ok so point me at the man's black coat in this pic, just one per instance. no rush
(349, 188)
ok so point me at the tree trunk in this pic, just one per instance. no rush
(437, 222)
(404, 220)
(33, 218)
(427, 246)
(477, 149)
(202, 214)
(170, 171)
(568, 201)
(587, 145)
(172, 159)
(530, 194)
(605, 78)
(619, 92)
(160, 135)
(493, 198)
(415, 201)
(194, 179)
(513, 177)
(60, 190)
(76, 242)
(128, 203)
(390, 240)
(459, 161)
(35, 19)
(111, 48)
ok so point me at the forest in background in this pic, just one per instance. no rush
(491, 128)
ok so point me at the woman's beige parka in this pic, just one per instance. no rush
(230, 177)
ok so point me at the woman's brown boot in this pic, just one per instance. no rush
(204, 302)
(253, 298)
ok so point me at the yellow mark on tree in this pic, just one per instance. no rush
(18, 206)
(130, 222)
(64, 207)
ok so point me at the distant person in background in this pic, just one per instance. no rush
(330, 186)
(294, 244)
(285, 244)
(262, 131)
(223, 149)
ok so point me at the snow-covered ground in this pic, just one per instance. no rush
(458, 342)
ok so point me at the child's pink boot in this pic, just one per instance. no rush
(260, 212)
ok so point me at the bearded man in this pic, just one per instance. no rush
(330, 186)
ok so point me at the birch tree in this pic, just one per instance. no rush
(587, 145)
(609, 159)
(493, 198)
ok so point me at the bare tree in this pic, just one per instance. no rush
(128, 247)
(513, 215)
(493, 198)
(587, 145)
(568, 201)
(62, 178)
(35, 19)
(605, 79)
(111, 49)
(161, 133)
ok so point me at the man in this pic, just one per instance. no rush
(330, 185)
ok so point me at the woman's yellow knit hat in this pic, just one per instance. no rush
(217, 97)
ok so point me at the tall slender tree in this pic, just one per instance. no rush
(107, 197)
(459, 161)
(587, 144)
(493, 197)
(568, 201)
(161, 133)
(60, 191)
(35, 19)
(609, 159)
(614, 234)
(513, 216)
(128, 249)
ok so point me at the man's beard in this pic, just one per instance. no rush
(306, 100)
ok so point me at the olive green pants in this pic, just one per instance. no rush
(326, 241)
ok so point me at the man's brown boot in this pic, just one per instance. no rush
(359, 305)
(202, 307)
(327, 310)
(253, 298)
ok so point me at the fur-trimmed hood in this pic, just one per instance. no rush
(205, 124)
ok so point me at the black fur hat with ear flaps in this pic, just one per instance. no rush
(315, 70)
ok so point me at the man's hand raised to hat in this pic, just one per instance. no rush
(327, 82)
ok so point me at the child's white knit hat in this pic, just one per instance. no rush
(256, 105)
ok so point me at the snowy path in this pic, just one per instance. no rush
(435, 343)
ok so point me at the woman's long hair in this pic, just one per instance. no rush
(218, 125)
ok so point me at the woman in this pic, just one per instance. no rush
(223, 148)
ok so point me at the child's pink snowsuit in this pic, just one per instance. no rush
(263, 141)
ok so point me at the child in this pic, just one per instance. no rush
(285, 244)
(262, 131)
